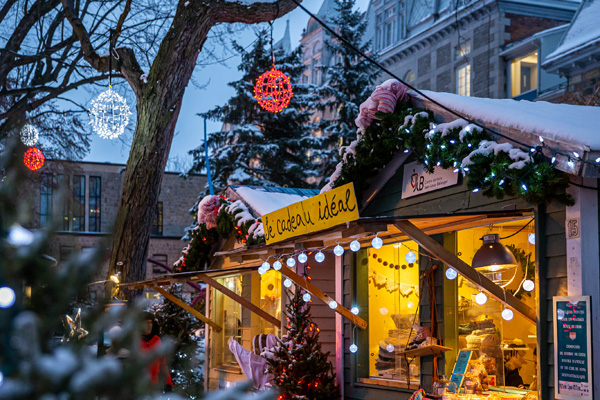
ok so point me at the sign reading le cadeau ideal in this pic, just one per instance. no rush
(319, 212)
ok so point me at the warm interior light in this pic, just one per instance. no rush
(493, 257)
(115, 277)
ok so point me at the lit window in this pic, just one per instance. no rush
(463, 80)
(94, 204)
(523, 74)
(270, 300)
(409, 76)
(227, 313)
(78, 203)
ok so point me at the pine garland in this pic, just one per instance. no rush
(495, 169)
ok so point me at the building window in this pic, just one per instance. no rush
(523, 74)
(379, 32)
(463, 80)
(156, 270)
(389, 34)
(270, 300)
(78, 203)
(228, 313)
(46, 199)
(94, 204)
(65, 253)
(390, 298)
(63, 184)
(409, 76)
(157, 222)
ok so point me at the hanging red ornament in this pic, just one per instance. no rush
(34, 159)
(273, 90)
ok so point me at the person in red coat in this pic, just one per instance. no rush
(150, 340)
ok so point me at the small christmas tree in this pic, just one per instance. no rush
(299, 367)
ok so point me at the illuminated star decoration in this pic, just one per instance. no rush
(109, 114)
(73, 327)
(273, 90)
(29, 135)
(34, 159)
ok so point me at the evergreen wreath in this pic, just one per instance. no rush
(495, 169)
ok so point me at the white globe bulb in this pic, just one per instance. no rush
(383, 311)
(277, 265)
(507, 314)
(528, 285)
(354, 310)
(7, 297)
(410, 257)
(353, 348)
(451, 274)
(302, 258)
(377, 242)
(19, 236)
(306, 297)
(355, 245)
(319, 257)
(333, 304)
(531, 238)
(481, 298)
(266, 265)
(389, 348)
(29, 135)
(291, 262)
(262, 270)
(338, 250)
(410, 304)
(287, 283)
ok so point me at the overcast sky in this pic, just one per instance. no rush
(189, 132)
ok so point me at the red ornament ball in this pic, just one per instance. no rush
(273, 90)
(34, 159)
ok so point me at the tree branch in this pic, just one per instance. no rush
(119, 27)
(230, 12)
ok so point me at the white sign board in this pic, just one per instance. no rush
(417, 180)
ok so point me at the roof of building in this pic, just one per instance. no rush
(285, 43)
(327, 10)
(583, 32)
(266, 199)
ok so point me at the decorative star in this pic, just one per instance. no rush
(73, 327)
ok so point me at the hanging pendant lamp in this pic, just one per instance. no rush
(493, 257)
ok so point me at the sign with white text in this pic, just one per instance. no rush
(319, 212)
(572, 348)
(416, 180)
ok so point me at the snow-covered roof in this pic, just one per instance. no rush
(264, 200)
(560, 122)
(583, 32)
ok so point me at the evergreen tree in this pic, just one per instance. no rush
(348, 81)
(299, 366)
(255, 146)
(187, 365)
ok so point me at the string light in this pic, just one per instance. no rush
(451, 274)
(7, 297)
(481, 298)
(355, 246)
(287, 283)
(338, 250)
(34, 159)
(320, 257)
(528, 285)
(273, 90)
(109, 115)
(377, 242)
(333, 304)
(354, 310)
(389, 348)
(291, 262)
(531, 238)
(302, 258)
(410, 257)
(266, 265)
(306, 297)
(262, 270)
(277, 265)
(29, 135)
(353, 348)
(19, 236)
(507, 314)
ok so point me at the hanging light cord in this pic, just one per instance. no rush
(272, 52)
(451, 111)
(110, 56)
(524, 226)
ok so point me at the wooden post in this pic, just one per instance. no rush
(315, 291)
(245, 303)
(466, 270)
(187, 308)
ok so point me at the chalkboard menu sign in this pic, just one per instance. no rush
(572, 348)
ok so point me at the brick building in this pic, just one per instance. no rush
(80, 200)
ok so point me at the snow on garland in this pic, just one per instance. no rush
(495, 169)
(218, 217)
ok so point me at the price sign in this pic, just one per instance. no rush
(572, 348)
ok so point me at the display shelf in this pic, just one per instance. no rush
(515, 348)
(424, 351)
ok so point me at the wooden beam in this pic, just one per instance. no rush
(187, 308)
(466, 270)
(245, 303)
(315, 291)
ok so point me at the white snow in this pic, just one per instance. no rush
(144, 78)
(584, 31)
(264, 202)
(560, 122)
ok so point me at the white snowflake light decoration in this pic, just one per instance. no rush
(29, 135)
(109, 114)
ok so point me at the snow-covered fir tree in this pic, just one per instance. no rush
(349, 79)
(257, 147)
(299, 366)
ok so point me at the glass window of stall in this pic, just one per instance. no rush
(270, 301)
(227, 313)
(503, 343)
(388, 282)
